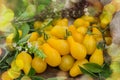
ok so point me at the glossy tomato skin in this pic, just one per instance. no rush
(97, 57)
(90, 43)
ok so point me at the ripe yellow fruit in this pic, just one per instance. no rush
(88, 18)
(48, 28)
(39, 65)
(17, 65)
(66, 63)
(76, 35)
(78, 51)
(34, 36)
(14, 66)
(20, 63)
(99, 39)
(53, 56)
(82, 30)
(60, 45)
(86, 24)
(59, 31)
(97, 57)
(75, 70)
(108, 40)
(37, 24)
(81, 22)
(26, 78)
(25, 57)
(90, 43)
(56, 21)
(14, 74)
(63, 22)
(5, 76)
(27, 68)
(9, 40)
(96, 33)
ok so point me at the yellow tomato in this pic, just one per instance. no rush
(78, 37)
(77, 50)
(81, 22)
(26, 78)
(25, 57)
(88, 18)
(39, 65)
(63, 22)
(37, 24)
(9, 40)
(86, 24)
(75, 70)
(59, 31)
(66, 63)
(82, 30)
(19, 63)
(96, 33)
(60, 45)
(14, 74)
(34, 36)
(97, 57)
(53, 56)
(40, 40)
(90, 43)
(5, 76)
(78, 22)
(27, 68)
(108, 40)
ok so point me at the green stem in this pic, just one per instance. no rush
(68, 33)
(103, 33)
(16, 54)
(23, 21)
(4, 57)
(89, 30)
(45, 24)
(46, 37)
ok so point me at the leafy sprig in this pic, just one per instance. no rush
(37, 52)
(96, 71)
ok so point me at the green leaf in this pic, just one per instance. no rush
(16, 34)
(4, 57)
(46, 24)
(25, 29)
(93, 67)
(40, 53)
(37, 52)
(17, 5)
(40, 8)
(31, 72)
(45, 2)
(9, 60)
(37, 78)
(24, 39)
(28, 13)
(84, 71)
(106, 71)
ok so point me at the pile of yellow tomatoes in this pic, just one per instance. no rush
(67, 47)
